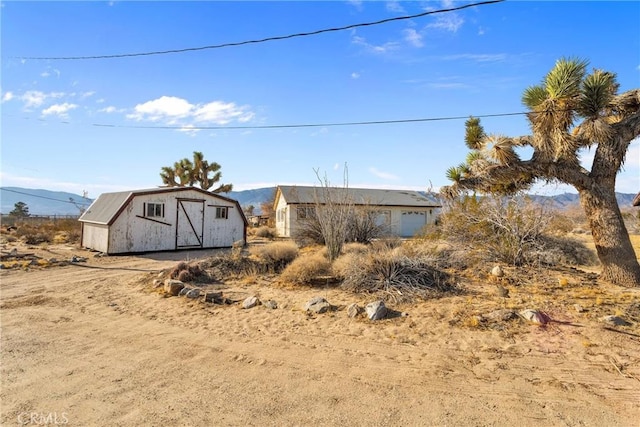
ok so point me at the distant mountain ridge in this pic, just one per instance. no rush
(42, 202)
(46, 202)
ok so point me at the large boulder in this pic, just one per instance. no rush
(250, 302)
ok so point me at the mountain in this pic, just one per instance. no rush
(42, 202)
(252, 197)
(45, 202)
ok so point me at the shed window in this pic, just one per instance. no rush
(306, 212)
(154, 210)
(222, 212)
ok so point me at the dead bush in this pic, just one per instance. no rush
(396, 276)
(306, 268)
(265, 232)
(188, 273)
(277, 255)
(57, 231)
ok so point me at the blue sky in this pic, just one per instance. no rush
(471, 62)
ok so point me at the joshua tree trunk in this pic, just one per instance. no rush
(619, 263)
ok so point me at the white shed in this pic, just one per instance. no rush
(162, 219)
(404, 212)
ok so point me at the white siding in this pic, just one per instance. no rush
(95, 236)
(134, 231)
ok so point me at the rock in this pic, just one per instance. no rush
(354, 310)
(184, 291)
(614, 321)
(501, 315)
(213, 297)
(535, 316)
(75, 259)
(52, 260)
(376, 310)
(173, 287)
(578, 308)
(497, 271)
(157, 283)
(250, 302)
(271, 304)
(317, 305)
(193, 293)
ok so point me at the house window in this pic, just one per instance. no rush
(306, 212)
(383, 218)
(222, 212)
(154, 210)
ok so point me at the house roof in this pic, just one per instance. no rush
(295, 194)
(106, 208)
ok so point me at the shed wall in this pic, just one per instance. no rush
(95, 236)
(133, 231)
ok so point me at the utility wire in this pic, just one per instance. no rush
(312, 125)
(268, 39)
(45, 197)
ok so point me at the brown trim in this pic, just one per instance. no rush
(153, 220)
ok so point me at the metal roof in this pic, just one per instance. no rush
(106, 208)
(295, 194)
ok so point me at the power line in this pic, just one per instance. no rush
(45, 197)
(312, 125)
(267, 39)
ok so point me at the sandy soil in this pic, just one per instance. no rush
(94, 344)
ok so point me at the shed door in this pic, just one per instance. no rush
(412, 222)
(190, 224)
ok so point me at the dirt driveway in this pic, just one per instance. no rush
(94, 344)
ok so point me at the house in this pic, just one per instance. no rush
(403, 212)
(162, 219)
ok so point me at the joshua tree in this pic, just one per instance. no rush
(187, 173)
(569, 111)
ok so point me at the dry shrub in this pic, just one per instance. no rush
(276, 254)
(354, 247)
(188, 272)
(34, 232)
(392, 273)
(265, 232)
(306, 268)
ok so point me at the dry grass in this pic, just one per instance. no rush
(37, 232)
(307, 268)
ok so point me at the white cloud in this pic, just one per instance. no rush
(383, 175)
(394, 6)
(61, 110)
(481, 31)
(35, 98)
(356, 3)
(496, 57)
(110, 109)
(413, 37)
(173, 110)
(371, 48)
(355, 75)
(87, 94)
(47, 73)
(8, 96)
(450, 22)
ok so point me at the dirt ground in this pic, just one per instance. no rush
(93, 343)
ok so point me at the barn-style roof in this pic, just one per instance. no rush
(106, 208)
(296, 194)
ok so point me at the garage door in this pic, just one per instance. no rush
(412, 222)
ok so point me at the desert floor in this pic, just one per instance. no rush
(94, 343)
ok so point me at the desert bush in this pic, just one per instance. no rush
(57, 231)
(355, 247)
(399, 277)
(515, 231)
(265, 232)
(305, 268)
(277, 255)
(188, 272)
(505, 229)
